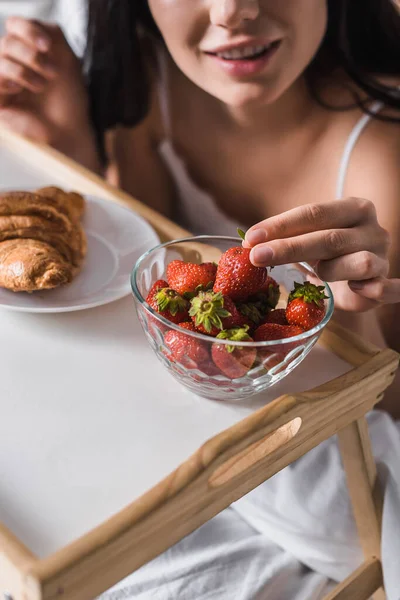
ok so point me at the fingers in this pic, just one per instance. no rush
(312, 217)
(319, 245)
(380, 289)
(24, 59)
(32, 32)
(18, 51)
(8, 88)
(357, 266)
(20, 75)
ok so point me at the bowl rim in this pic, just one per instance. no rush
(200, 336)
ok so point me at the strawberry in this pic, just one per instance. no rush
(277, 316)
(250, 312)
(185, 349)
(273, 331)
(258, 306)
(197, 355)
(188, 278)
(306, 306)
(212, 312)
(234, 361)
(270, 293)
(237, 277)
(167, 302)
(189, 325)
(158, 285)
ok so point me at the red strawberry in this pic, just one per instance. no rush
(270, 293)
(185, 349)
(198, 357)
(234, 361)
(211, 313)
(167, 302)
(188, 278)
(250, 312)
(237, 277)
(158, 285)
(277, 316)
(210, 369)
(306, 306)
(189, 325)
(273, 331)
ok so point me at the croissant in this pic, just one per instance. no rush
(69, 203)
(29, 265)
(68, 243)
(42, 241)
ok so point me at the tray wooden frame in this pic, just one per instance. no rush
(226, 467)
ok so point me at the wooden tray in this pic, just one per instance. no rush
(224, 468)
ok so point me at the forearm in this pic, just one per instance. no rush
(82, 151)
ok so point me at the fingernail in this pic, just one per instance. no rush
(43, 43)
(261, 256)
(256, 236)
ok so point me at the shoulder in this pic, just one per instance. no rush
(374, 168)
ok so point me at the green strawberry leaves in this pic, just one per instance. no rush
(236, 334)
(208, 309)
(308, 292)
(168, 299)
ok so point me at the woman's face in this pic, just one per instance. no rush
(242, 51)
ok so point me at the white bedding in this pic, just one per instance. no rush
(287, 540)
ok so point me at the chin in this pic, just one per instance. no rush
(247, 96)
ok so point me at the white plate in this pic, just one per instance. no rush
(116, 237)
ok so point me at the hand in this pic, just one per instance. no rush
(342, 240)
(42, 91)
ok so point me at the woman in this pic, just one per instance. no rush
(280, 116)
(238, 110)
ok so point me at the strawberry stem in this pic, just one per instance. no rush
(236, 334)
(168, 299)
(251, 310)
(208, 309)
(308, 292)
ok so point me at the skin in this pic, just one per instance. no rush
(260, 145)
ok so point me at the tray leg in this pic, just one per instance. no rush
(360, 468)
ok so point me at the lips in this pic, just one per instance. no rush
(246, 52)
(245, 59)
(241, 45)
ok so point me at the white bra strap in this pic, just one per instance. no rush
(163, 96)
(349, 147)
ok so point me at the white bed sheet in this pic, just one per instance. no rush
(290, 539)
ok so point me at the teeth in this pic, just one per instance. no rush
(238, 53)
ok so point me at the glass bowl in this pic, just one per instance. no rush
(274, 359)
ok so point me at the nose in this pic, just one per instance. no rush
(231, 13)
